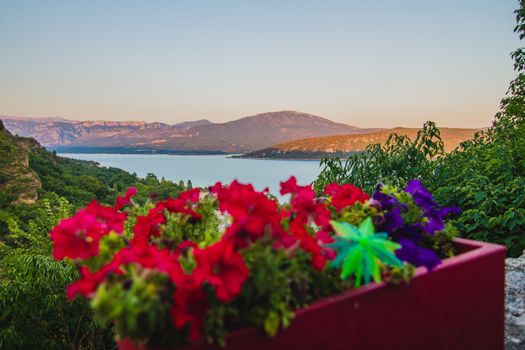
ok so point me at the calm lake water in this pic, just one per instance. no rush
(206, 170)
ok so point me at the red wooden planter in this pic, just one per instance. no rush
(460, 305)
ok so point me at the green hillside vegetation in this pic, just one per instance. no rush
(37, 189)
(344, 145)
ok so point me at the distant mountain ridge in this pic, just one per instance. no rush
(238, 136)
(41, 119)
(344, 145)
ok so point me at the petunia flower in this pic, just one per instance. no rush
(305, 211)
(189, 306)
(345, 195)
(79, 235)
(253, 214)
(431, 210)
(416, 255)
(89, 281)
(223, 268)
(121, 202)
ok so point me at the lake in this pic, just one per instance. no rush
(208, 169)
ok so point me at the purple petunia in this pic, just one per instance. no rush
(411, 235)
(416, 255)
(392, 220)
(430, 208)
(386, 201)
(421, 196)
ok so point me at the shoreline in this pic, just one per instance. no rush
(139, 151)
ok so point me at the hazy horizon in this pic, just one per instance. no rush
(381, 64)
(21, 117)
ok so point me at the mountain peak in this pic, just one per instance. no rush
(284, 114)
(291, 118)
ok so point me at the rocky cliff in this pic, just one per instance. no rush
(17, 180)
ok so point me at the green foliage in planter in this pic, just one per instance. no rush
(277, 286)
(139, 305)
(267, 296)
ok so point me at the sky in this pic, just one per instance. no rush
(367, 63)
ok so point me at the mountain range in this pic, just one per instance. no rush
(284, 134)
(239, 136)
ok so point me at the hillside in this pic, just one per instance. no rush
(19, 183)
(28, 171)
(242, 135)
(343, 145)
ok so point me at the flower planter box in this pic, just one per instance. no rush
(460, 305)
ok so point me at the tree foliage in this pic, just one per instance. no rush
(485, 176)
(34, 312)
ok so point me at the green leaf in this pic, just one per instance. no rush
(271, 323)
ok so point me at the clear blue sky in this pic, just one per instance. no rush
(367, 63)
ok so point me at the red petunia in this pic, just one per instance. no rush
(89, 282)
(254, 214)
(312, 244)
(191, 196)
(121, 202)
(151, 257)
(289, 186)
(305, 209)
(345, 195)
(107, 216)
(148, 225)
(184, 246)
(223, 268)
(189, 305)
(302, 198)
(79, 236)
(182, 206)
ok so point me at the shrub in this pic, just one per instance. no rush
(484, 176)
(34, 312)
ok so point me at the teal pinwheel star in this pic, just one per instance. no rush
(360, 251)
